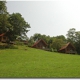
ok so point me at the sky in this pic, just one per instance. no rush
(51, 18)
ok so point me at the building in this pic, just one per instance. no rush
(68, 48)
(3, 37)
(40, 44)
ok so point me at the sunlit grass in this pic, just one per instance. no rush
(27, 62)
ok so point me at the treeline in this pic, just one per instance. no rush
(13, 25)
(55, 43)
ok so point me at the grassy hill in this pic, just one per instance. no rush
(27, 62)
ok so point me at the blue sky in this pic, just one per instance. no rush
(48, 17)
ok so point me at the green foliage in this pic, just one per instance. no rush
(38, 36)
(61, 37)
(73, 36)
(55, 50)
(31, 42)
(35, 63)
(19, 26)
(4, 24)
(3, 45)
(53, 42)
(10, 46)
(12, 24)
(7, 46)
(3, 9)
(19, 43)
(57, 43)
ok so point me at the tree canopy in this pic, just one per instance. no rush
(73, 36)
(19, 25)
(4, 24)
(13, 25)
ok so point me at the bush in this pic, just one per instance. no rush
(11, 47)
(55, 50)
(19, 43)
(8, 46)
(29, 44)
(2, 47)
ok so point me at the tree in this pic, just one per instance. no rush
(37, 36)
(19, 26)
(57, 43)
(3, 8)
(31, 41)
(4, 24)
(61, 37)
(77, 41)
(71, 35)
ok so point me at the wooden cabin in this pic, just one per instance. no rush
(40, 44)
(3, 37)
(68, 48)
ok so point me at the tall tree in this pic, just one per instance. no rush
(19, 26)
(31, 41)
(57, 43)
(77, 41)
(71, 35)
(4, 24)
(61, 37)
(37, 36)
(3, 8)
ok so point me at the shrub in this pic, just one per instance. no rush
(19, 43)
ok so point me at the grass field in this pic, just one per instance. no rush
(34, 63)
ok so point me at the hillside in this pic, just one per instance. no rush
(27, 62)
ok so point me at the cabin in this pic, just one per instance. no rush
(40, 44)
(3, 37)
(68, 48)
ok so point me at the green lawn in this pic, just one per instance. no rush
(35, 63)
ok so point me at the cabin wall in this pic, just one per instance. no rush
(0, 39)
(40, 45)
(3, 39)
(62, 51)
(70, 49)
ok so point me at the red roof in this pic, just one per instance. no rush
(38, 42)
(2, 34)
(66, 46)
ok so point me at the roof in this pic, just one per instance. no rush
(64, 47)
(38, 42)
(2, 34)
